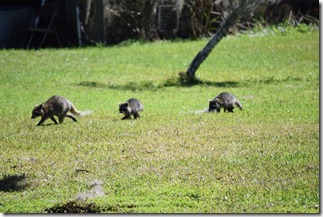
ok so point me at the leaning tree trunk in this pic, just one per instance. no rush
(241, 9)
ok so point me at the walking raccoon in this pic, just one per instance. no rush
(131, 107)
(56, 105)
(225, 100)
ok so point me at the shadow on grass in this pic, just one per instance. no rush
(13, 183)
(51, 123)
(176, 82)
(148, 85)
(84, 207)
(74, 207)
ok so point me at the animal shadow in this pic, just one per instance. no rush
(11, 183)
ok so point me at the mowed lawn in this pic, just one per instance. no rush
(262, 159)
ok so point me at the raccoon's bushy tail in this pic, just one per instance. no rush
(79, 113)
(239, 104)
(196, 112)
(83, 113)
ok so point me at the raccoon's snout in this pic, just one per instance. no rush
(123, 111)
(35, 115)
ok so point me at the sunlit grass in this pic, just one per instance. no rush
(262, 159)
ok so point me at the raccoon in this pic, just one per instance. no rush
(131, 107)
(225, 100)
(56, 105)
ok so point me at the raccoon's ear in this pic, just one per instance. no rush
(127, 103)
(38, 106)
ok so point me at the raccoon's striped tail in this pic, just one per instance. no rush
(79, 113)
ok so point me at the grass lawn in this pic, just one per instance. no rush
(263, 159)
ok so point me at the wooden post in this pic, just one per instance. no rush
(99, 22)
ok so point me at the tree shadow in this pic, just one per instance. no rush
(203, 83)
(149, 85)
(11, 183)
(177, 82)
(134, 86)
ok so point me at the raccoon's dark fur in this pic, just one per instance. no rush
(224, 100)
(58, 106)
(131, 107)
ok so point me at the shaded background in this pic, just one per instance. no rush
(115, 21)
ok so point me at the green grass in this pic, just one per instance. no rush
(263, 159)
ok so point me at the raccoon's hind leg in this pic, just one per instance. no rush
(61, 118)
(136, 115)
(230, 109)
(72, 117)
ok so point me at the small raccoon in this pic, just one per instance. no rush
(131, 107)
(225, 100)
(56, 105)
